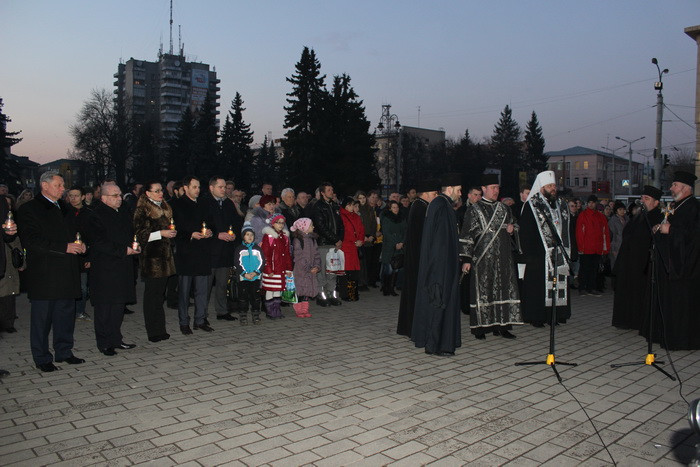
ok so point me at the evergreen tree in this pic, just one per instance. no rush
(467, 158)
(300, 164)
(206, 145)
(236, 138)
(146, 165)
(505, 143)
(182, 148)
(266, 166)
(9, 170)
(535, 160)
(344, 142)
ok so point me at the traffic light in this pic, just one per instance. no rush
(667, 162)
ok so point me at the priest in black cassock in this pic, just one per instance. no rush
(436, 318)
(632, 269)
(678, 243)
(427, 191)
(542, 212)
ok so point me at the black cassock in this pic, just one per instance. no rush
(411, 248)
(436, 318)
(631, 271)
(679, 280)
(536, 284)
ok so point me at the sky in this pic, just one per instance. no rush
(583, 66)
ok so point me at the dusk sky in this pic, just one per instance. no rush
(583, 66)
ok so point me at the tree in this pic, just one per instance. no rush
(206, 145)
(505, 143)
(535, 160)
(103, 135)
(236, 157)
(9, 170)
(181, 152)
(146, 160)
(300, 163)
(344, 144)
(266, 166)
(468, 158)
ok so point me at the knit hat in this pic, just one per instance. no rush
(247, 227)
(274, 218)
(302, 224)
(265, 199)
(253, 201)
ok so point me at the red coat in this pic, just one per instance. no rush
(592, 233)
(278, 259)
(354, 230)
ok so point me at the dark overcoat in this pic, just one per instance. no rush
(411, 260)
(192, 257)
(108, 234)
(223, 216)
(52, 274)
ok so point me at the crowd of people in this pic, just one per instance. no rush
(500, 261)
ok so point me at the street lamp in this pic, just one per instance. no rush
(629, 166)
(658, 158)
(389, 128)
(612, 192)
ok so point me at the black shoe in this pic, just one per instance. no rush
(108, 352)
(507, 335)
(334, 301)
(256, 320)
(244, 321)
(125, 346)
(128, 311)
(165, 337)
(47, 367)
(481, 337)
(203, 327)
(4, 373)
(322, 302)
(270, 317)
(172, 306)
(185, 330)
(72, 360)
(10, 330)
(441, 353)
(155, 338)
(538, 324)
(206, 321)
(595, 293)
(227, 317)
(497, 332)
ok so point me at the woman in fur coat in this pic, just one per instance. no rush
(307, 263)
(278, 263)
(154, 232)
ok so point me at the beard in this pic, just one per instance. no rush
(550, 196)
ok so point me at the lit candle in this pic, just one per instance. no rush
(78, 240)
(9, 222)
(204, 228)
(230, 230)
(135, 245)
(172, 224)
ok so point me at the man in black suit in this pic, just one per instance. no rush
(53, 274)
(110, 235)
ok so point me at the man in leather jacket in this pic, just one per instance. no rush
(329, 227)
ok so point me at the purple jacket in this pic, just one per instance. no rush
(305, 259)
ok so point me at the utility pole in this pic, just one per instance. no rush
(614, 182)
(629, 164)
(658, 157)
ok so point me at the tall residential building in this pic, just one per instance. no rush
(160, 91)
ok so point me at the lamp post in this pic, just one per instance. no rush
(629, 166)
(612, 189)
(658, 158)
(389, 129)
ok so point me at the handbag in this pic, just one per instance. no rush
(335, 261)
(17, 257)
(232, 286)
(396, 261)
(289, 294)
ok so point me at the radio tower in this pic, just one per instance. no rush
(171, 27)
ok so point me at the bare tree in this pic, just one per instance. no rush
(682, 159)
(103, 135)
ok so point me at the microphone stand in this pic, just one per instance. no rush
(651, 356)
(551, 360)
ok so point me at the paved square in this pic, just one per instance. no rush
(343, 388)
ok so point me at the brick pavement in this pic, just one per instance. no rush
(342, 388)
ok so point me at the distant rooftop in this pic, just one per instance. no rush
(582, 151)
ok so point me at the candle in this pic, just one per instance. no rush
(172, 224)
(230, 230)
(78, 240)
(204, 228)
(135, 245)
(9, 222)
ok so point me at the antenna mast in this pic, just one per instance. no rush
(179, 39)
(171, 27)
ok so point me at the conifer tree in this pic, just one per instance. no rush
(9, 171)
(266, 166)
(182, 148)
(206, 161)
(236, 138)
(300, 163)
(505, 143)
(535, 160)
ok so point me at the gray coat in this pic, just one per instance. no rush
(9, 284)
(305, 259)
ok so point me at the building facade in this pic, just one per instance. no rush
(587, 171)
(159, 92)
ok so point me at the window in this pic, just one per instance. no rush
(576, 181)
(585, 166)
(577, 165)
(585, 181)
(568, 181)
(568, 166)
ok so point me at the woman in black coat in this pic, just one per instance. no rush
(153, 230)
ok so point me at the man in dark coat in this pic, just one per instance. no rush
(8, 234)
(53, 274)
(542, 211)
(436, 318)
(110, 235)
(329, 227)
(632, 280)
(77, 215)
(225, 222)
(414, 233)
(678, 243)
(192, 255)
